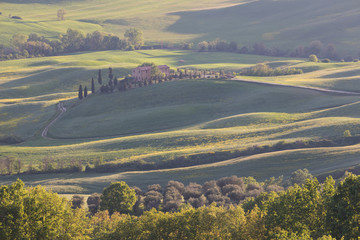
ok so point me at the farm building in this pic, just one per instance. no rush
(141, 74)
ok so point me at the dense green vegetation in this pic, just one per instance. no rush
(72, 120)
(307, 211)
(34, 45)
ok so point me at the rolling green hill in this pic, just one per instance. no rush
(158, 123)
(285, 24)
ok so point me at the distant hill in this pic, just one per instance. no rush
(283, 23)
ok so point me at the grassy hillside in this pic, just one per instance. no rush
(182, 103)
(47, 75)
(188, 117)
(160, 122)
(261, 166)
(283, 23)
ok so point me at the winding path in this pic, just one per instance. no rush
(61, 110)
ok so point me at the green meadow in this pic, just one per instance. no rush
(172, 119)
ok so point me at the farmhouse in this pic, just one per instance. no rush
(142, 74)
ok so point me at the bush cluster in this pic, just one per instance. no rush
(73, 40)
(262, 70)
(307, 210)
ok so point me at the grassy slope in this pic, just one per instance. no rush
(234, 116)
(256, 115)
(250, 21)
(261, 166)
(27, 82)
(336, 76)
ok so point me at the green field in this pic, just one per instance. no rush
(283, 23)
(160, 122)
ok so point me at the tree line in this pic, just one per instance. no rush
(112, 83)
(11, 165)
(306, 209)
(262, 70)
(33, 45)
(315, 47)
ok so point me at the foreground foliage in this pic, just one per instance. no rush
(34, 213)
(309, 211)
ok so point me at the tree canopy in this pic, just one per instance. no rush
(34, 213)
(135, 37)
(118, 197)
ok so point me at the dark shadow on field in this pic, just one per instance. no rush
(54, 81)
(283, 21)
(351, 73)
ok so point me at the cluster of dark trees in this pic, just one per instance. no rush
(262, 70)
(303, 210)
(10, 165)
(10, 139)
(33, 45)
(115, 84)
(315, 47)
(112, 84)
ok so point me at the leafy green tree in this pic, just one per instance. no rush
(85, 92)
(73, 40)
(118, 197)
(80, 94)
(34, 213)
(61, 14)
(299, 176)
(299, 210)
(18, 40)
(313, 58)
(135, 37)
(94, 41)
(344, 209)
(203, 46)
(92, 85)
(347, 133)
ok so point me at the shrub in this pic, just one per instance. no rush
(193, 190)
(77, 201)
(93, 203)
(347, 133)
(313, 58)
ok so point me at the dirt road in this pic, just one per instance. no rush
(61, 111)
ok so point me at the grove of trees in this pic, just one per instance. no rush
(33, 45)
(228, 208)
(315, 47)
(262, 69)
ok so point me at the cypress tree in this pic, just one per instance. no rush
(92, 85)
(80, 92)
(110, 73)
(99, 77)
(85, 91)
